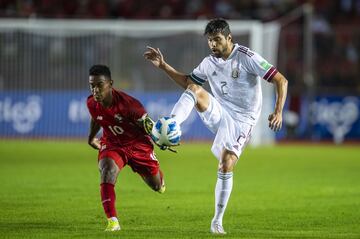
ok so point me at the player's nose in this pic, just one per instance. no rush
(95, 90)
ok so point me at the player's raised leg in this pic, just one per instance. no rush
(109, 171)
(223, 189)
(194, 95)
(156, 182)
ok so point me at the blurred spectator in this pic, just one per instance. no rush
(336, 28)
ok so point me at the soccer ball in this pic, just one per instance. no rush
(166, 131)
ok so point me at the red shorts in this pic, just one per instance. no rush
(139, 156)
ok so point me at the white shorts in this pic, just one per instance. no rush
(231, 134)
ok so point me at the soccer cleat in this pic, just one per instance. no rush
(113, 225)
(217, 228)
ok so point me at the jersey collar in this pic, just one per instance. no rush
(236, 46)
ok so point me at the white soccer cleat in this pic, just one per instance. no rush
(217, 228)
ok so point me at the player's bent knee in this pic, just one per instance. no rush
(226, 167)
(153, 182)
(227, 162)
(108, 176)
(196, 89)
(202, 97)
(108, 171)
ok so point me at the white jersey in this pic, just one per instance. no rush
(234, 82)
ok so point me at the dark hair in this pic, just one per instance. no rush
(217, 25)
(100, 70)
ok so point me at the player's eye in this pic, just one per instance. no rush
(98, 86)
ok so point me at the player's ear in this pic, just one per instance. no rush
(229, 37)
(111, 82)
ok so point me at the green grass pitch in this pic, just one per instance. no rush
(51, 190)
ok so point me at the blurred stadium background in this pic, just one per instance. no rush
(50, 187)
(47, 46)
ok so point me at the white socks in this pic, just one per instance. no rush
(184, 106)
(222, 194)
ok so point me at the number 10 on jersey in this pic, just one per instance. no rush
(116, 130)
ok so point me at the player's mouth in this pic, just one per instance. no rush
(216, 53)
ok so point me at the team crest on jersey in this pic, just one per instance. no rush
(118, 118)
(235, 73)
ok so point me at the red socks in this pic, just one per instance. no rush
(108, 199)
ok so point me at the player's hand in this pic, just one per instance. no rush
(95, 143)
(155, 56)
(148, 124)
(275, 121)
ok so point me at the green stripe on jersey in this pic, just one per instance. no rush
(196, 79)
(265, 65)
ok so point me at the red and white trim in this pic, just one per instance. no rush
(270, 74)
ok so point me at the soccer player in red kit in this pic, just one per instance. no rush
(124, 140)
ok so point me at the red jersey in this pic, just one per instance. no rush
(120, 120)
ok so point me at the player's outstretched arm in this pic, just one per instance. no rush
(157, 59)
(275, 119)
(92, 140)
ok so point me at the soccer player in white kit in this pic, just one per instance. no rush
(233, 72)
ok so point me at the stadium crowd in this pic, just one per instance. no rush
(143, 9)
(339, 11)
(336, 28)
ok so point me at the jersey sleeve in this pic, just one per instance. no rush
(198, 75)
(257, 65)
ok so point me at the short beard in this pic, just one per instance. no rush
(220, 54)
(216, 55)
